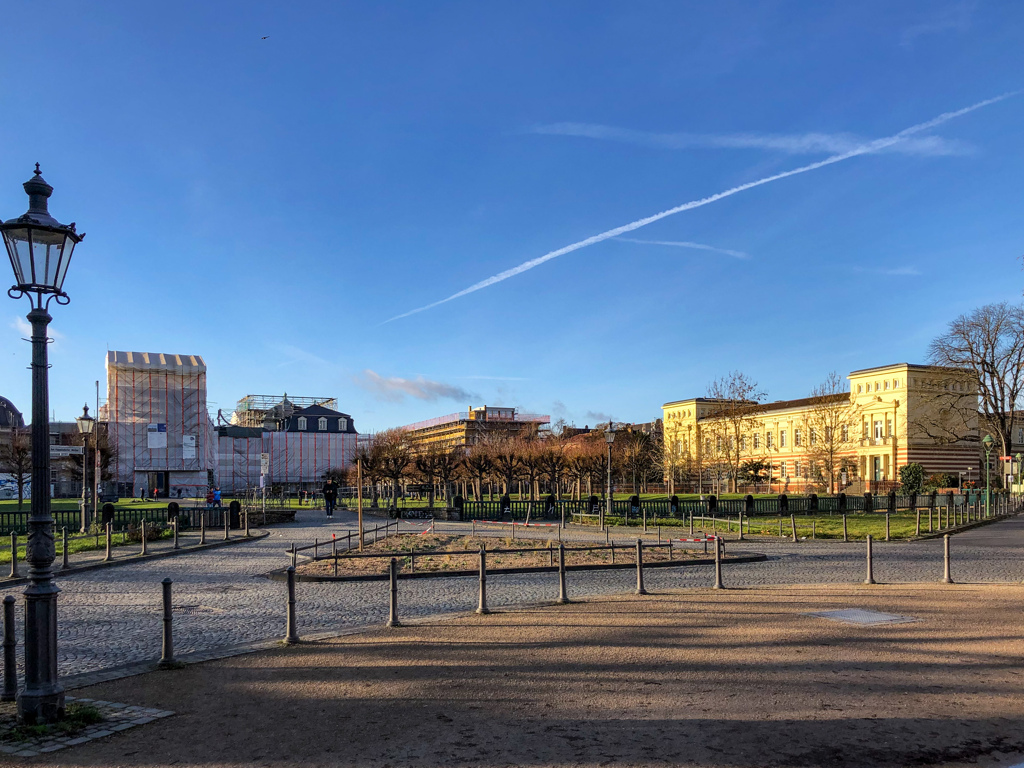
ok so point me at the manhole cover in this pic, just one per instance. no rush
(860, 616)
(195, 610)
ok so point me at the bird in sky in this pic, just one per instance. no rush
(264, 37)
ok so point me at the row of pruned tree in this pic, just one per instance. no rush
(532, 467)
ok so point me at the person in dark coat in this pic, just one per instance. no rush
(330, 496)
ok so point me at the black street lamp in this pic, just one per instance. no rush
(85, 426)
(40, 250)
(987, 442)
(609, 437)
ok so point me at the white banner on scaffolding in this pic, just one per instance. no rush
(188, 446)
(156, 435)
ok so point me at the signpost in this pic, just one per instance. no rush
(64, 451)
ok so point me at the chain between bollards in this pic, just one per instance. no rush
(14, 555)
(393, 613)
(167, 648)
(10, 692)
(869, 578)
(640, 568)
(946, 577)
(562, 596)
(291, 636)
(718, 564)
(482, 605)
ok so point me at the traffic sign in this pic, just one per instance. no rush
(63, 451)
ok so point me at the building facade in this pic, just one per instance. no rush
(890, 416)
(466, 428)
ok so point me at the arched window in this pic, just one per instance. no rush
(302, 423)
(322, 424)
(343, 425)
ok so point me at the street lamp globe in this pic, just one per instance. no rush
(987, 442)
(39, 246)
(609, 435)
(85, 422)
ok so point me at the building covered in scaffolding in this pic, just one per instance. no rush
(158, 423)
(302, 437)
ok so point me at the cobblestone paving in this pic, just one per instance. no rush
(112, 617)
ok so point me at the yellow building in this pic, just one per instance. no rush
(889, 417)
(467, 428)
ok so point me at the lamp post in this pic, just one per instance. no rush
(609, 437)
(1016, 478)
(85, 425)
(40, 250)
(987, 442)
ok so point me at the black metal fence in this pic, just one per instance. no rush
(557, 509)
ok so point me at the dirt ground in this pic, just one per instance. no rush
(705, 678)
(543, 554)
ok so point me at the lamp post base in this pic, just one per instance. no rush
(42, 699)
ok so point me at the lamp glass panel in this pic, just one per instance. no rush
(69, 247)
(46, 252)
(85, 425)
(18, 250)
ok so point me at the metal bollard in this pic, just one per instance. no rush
(813, 531)
(780, 526)
(174, 527)
(227, 524)
(202, 527)
(143, 551)
(741, 525)
(10, 692)
(946, 577)
(887, 526)
(792, 523)
(294, 555)
(14, 555)
(718, 566)
(246, 513)
(870, 577)
(291, 635)
(393, 617)
(64, 547)
(640, 568)
(846, 536)
(562, 596)
(917, 530)
(481, 607)
(110, 535)
(167, 650)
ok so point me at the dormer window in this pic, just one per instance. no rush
(302, 423)
(343, 425)
(321, 425)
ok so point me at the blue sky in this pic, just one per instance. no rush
(270, 204)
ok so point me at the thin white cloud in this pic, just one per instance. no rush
(873, 146)
(889, 271)
(22, 326)
(793, 144)
(494, 378)
(686, 244)
(953, 18)
(292, 355)
(395, 389)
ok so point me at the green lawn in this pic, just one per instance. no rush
(85, 544)
(73, 505)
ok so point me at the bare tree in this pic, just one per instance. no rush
(552, 461)
(395, 456)
(478, 464)
(731, 419)
(506, 460)
(16, 460)
(830, 427)
(987, 343)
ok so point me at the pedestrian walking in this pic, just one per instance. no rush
(209, 498)
(330, 497)
(216, 497)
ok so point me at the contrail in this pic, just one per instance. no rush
(686, 244)
(872, 146)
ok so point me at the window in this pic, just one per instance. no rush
(888, 427)
(782, 438)
(1020, 435)
(757, 440)
(796, 470)
(886, 383)
(718, 444)
(860, 388)
(343, 425)
(743, 443)
(782, 470)
(895, 383)
(768, 440)
(796, 439)
(878, 429)
(814, 436)
(302, 423)
(322, 424)
(845, 433)
(876, 386)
